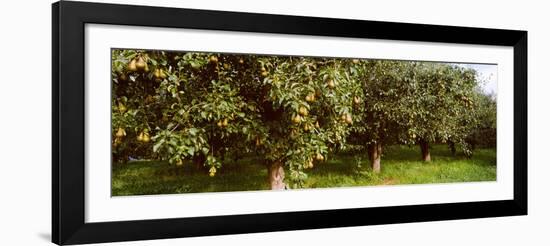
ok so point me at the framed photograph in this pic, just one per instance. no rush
(175, 122)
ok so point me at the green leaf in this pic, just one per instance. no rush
(158, 145)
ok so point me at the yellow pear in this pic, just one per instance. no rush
(348, 119)
(157, 73)
(331, 84)
(117, 141)
(297, 119)
(132, 66)
(303, 111)
(214, 59)
(140, 63)
(121, 107)
(319, 157)
(212, 171)
(146, 138)
(310, 164)
(120, 133)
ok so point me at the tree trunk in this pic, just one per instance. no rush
(375, 154)
(369, 151)
(452, 147)
(276, 174)
(199, 161)
(425, 148)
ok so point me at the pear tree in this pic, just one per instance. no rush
(307, 110)
(189, 106)
(382, 102)
(442, 105)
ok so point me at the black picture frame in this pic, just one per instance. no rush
(68, 122)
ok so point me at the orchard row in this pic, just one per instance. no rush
(293, 112)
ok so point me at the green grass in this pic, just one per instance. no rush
(400, 165)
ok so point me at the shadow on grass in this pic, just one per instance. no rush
(155, 177)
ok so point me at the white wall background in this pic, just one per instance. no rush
(25, 98)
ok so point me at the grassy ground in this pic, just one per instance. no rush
(400, 165)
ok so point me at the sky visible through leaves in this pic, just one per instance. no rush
(487, 74)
